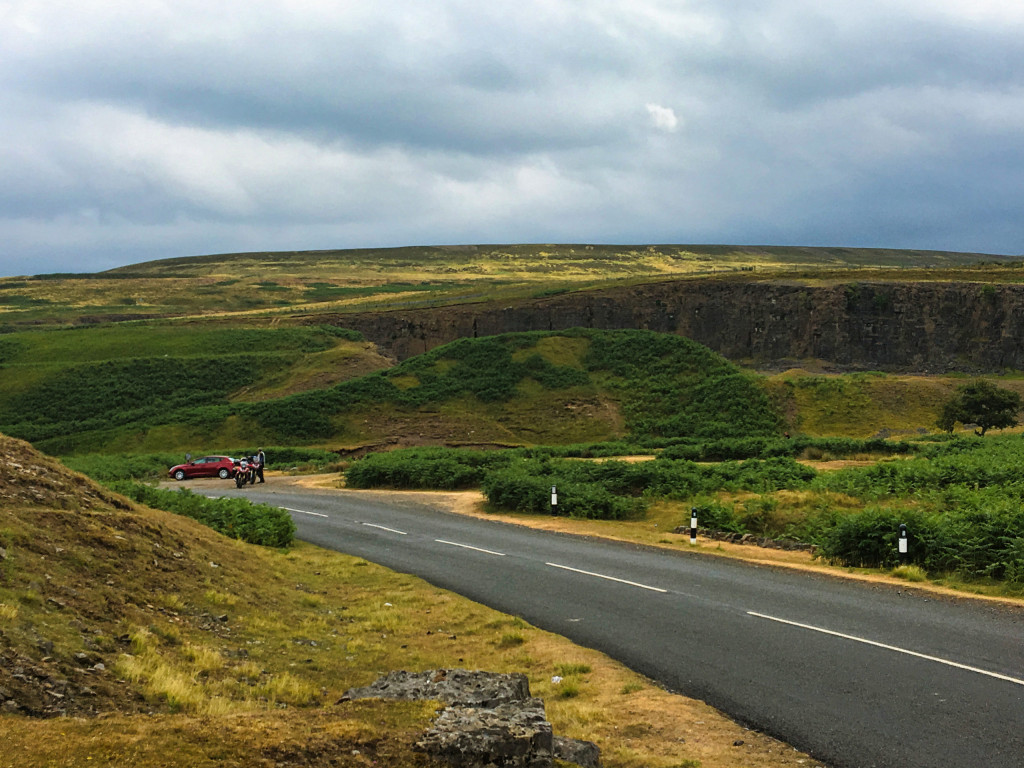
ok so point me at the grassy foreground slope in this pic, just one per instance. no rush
(130, 636)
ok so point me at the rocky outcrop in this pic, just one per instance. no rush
(891, 326)
(490, 720)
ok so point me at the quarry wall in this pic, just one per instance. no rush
(927, 327)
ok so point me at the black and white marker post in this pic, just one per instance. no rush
(693, 525)
(554, 500)
(903, 544)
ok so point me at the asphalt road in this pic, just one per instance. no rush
(858, 675)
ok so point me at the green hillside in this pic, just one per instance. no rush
(118, 378)
(575, 386)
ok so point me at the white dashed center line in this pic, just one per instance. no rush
(385, 528)
(467, 546)
(304, 512)
(609, 578)
(893, 648)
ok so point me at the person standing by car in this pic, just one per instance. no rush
(261, 462)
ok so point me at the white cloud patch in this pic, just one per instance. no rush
(663, 118)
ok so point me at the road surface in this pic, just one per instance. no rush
(856, 674)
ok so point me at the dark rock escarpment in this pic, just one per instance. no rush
(889, 326)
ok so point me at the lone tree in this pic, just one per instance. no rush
(982, 403)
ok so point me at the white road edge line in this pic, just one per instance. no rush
(304, 512)
(466, 546)
(385, 528)
(894, 648)
(609, 578)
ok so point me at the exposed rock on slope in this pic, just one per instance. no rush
(491, 720)
(919, 326)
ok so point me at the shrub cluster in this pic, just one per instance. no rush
(110, 468)
(424, 468)
(517, 489)
(967, 517)
(607, 490)
(674, 387)
(769, 447)
(993, 462)
(983, 541)
(143, 390)
(238, 518)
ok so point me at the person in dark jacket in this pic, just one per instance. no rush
(261, 462)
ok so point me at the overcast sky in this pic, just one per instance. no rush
(133, 130)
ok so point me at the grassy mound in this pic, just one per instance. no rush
(537, 387)
(527, 388)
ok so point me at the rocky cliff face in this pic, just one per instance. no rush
(922, 326)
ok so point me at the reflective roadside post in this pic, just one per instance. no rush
(693, 525)
(904, 543)
(554, 500)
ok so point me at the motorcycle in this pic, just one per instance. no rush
(242, 472)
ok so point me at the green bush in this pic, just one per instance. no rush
(518, 489)
(519, 481)
(109, 468)
(670, 387)
(423, 468)
(769, 447)
(237, 518)
(100, 395)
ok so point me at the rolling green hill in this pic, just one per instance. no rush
(575, 386)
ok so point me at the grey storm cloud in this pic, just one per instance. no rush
(140, 130)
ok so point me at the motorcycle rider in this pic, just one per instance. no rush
(261, 461)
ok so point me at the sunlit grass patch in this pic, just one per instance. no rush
(288, 689)
(384, 617)
(216, 597)
(910, 573)
(203, 658)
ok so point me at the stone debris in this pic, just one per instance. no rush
(490, 720)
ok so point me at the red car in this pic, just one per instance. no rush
(207, 466)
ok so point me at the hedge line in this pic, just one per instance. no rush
(608, 490)
(967, 515)
(238, 518)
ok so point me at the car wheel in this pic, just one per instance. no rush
(224, 474)
(179, 475)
